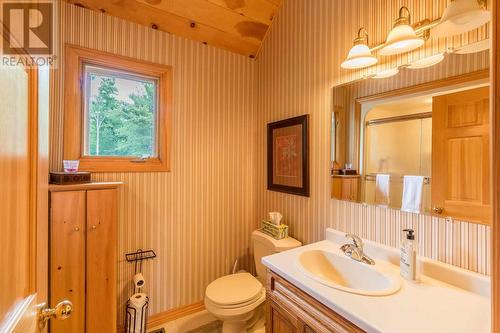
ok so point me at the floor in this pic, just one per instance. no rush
(203, 322)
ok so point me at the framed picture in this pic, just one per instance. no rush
(288, 156)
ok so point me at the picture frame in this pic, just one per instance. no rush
(288, 156)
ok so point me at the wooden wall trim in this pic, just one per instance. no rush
(33, 148)
(76, 59)
(431, 85)
(495, 114)
(85, 186)
(170, 315)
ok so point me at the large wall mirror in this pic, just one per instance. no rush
(417, 141)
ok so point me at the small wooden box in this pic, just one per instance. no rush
(64, 178)
(349, 172)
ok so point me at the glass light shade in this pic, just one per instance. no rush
(401, 39)
(461, 16)
(359, 56)
(427, 62)
(385, 74)
(474, 47)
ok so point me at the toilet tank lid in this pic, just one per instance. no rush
(278, 245)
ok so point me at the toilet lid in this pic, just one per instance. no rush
(234, 289)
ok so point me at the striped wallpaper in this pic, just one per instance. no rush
(298, 67)
(199, 217)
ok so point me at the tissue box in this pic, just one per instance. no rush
(275, 231)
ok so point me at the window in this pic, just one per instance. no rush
(117, 113)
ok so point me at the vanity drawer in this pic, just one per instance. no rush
(290, 310)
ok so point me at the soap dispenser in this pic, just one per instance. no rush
(408, 261)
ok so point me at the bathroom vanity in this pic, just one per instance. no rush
(292, 310)
(316, 288)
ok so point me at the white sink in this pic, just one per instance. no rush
(343, 273)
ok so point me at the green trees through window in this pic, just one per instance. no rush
(120, 115)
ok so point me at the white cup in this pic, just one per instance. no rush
(71, 165)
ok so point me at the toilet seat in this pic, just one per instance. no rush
(234, 291)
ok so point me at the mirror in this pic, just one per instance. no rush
(417, 141)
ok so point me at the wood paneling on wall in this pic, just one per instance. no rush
(198, 217)
(297, 69)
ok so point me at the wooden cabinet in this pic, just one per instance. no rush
(290, 310)
(345, 187)
(83, 221)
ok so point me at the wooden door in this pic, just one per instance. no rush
(101, 261)
(460, 155)
(23, 196)
(67, 257)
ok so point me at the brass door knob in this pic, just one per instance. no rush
(437, 210)
(61, 311)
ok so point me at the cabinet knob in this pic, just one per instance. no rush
(93, 227)
(77, 228)
(437, 210)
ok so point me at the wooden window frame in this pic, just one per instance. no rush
(76, 59)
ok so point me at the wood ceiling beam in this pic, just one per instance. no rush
(276, 2)
(148, 15)
(259, 10)
(210, 14)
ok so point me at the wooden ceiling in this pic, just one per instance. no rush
(235, 25)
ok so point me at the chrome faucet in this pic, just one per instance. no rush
(355, 250)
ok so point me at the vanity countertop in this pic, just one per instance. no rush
(448, 299)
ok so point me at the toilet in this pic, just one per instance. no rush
(233, 299)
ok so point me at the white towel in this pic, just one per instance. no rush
(382, 185)
(412, 194)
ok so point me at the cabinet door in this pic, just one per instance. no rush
(67, 258)
(101, 260)
(336, 188)
(354, 189)
(346, 189)
(280, 320)
(460, 155)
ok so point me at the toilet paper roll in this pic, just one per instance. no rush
(139, 281)
(137, 318)
(138, 300)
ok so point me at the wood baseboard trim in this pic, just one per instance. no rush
(171, 315)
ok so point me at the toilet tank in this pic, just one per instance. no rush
(264, 245)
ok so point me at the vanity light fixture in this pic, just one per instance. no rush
(386, 73)
(461, 16)
(402, 37)
(427, 62)
(360, 55)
